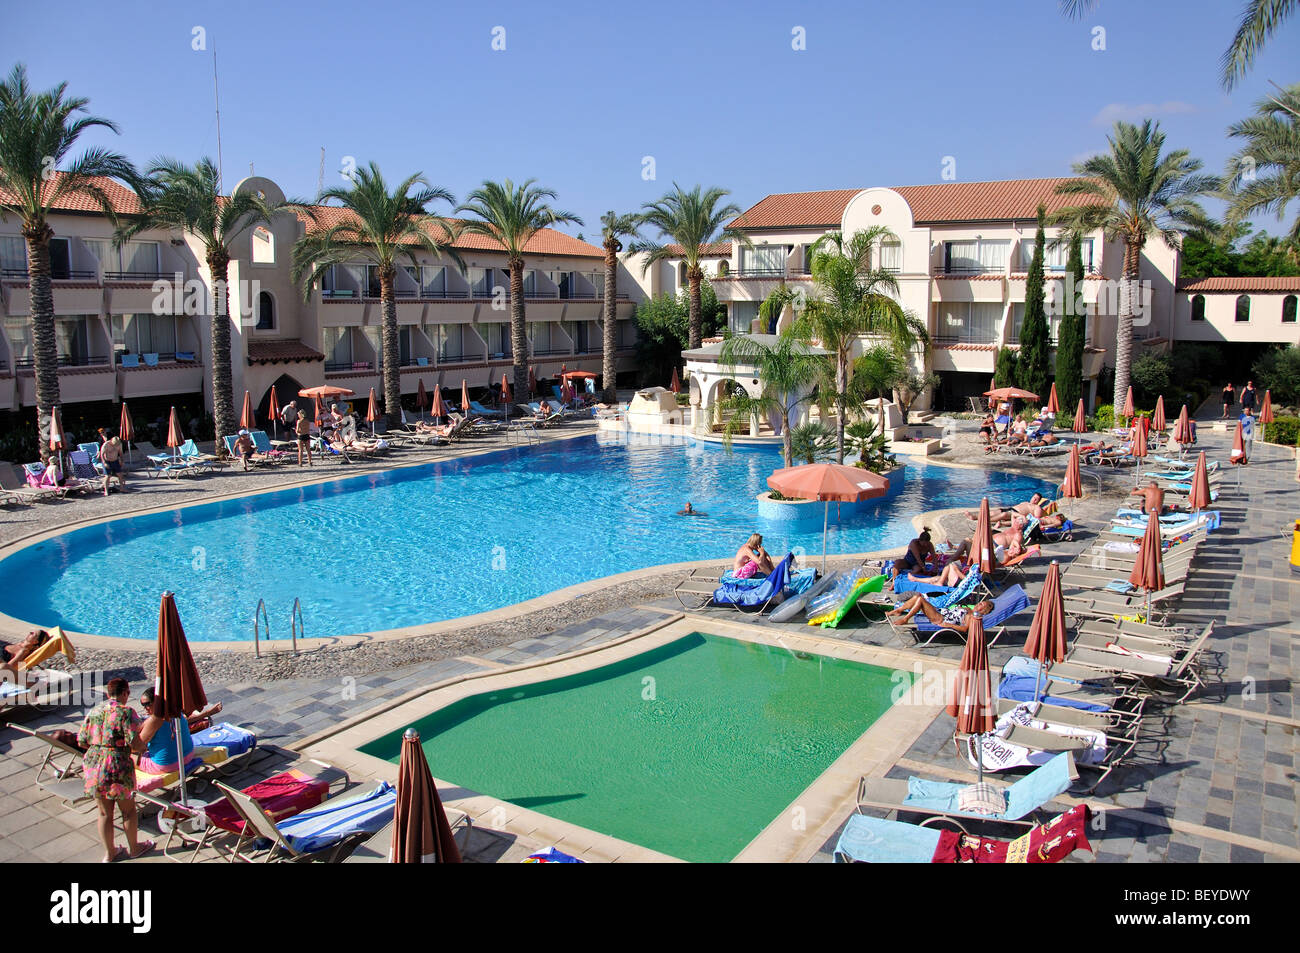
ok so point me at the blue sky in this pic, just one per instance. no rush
(582, 92)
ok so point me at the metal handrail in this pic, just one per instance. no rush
(257, 642)
(296, 623)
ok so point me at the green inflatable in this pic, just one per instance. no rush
(874, 584)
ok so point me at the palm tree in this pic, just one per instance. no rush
(188, 198)
(614, 228)
(875, 374)
(788, 368)
(1136, 191)
(693, 220)
(37, 134)
(854, 298)
(1259, 21)
(383, 227)
(1271, 177)
(512, 216)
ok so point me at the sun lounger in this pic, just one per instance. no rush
(1173, 674)
(1023, 799)
(1005, 607)
(1100, 603)
(699, 591)
(941, 596)
(16, 490)
(92, 451)
(482, 411)
(1021, 740)
(1102, 720)
(378, 848)
(331, 826)
(879, 841)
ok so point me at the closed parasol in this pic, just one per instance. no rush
(246, 418)
(1080, 419)
(421, 833)
(174, 436)
(1198, 498)
(971, 699)
(1053, 402)
(1148, 569)
(1158, 421)
(982, 541)
(1046, 642)
(177, 686)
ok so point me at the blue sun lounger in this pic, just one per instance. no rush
(873, 840)
(1010, 603)
(750, 597)
(945, 595)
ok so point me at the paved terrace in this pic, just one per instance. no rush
(1213, 779)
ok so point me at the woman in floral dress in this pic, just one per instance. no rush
(110, 734)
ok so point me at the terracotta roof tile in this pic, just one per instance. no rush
(716, 250)
(546, 241)
(1008, 200)
(1241, 284)
(268, 351)
(122, 199)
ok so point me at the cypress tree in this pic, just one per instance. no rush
(1069, 347)
(1035, 341)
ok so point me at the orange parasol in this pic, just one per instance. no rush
(421, 834)
(1158, 421)
(1046, 642)
(1080, 419)
(1148, 569)
(326, 391)
(439, 408)
(58, 437)
(1183, 428)
(126, 429)
(1010, 393)
(1127, 411)
(246, 418)
(1266, 408)
(274, 412)
(982, 542)
(676, 385)
(316, 411)
(570, 375)
(372, 411)
(1053, 404)
(464, 397)
(505, 389)
(1198, 498)
(1238, 446)
(1072, 488)
(1138, 438)
(177, 686)
(971, 699)
(174, 436)
(827, 482)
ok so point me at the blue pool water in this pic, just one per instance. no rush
(429, 543)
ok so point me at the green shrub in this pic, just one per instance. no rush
(1283, 430)
(1104, 417)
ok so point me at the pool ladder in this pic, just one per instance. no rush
(260, 616)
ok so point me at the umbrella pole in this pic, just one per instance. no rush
(826, 513)
(180, 760)
(979, 756)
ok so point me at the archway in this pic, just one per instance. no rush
(286, 389)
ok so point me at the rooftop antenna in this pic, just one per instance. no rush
(320, 178)
(216, 97)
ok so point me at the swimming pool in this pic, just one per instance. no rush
(690, 749)
(428, 543)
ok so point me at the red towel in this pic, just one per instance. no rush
(282, 795)
(1045, 844)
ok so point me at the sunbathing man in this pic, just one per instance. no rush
(752, 559)
(1031, 507)
(1007, 544)
(245, 448)
(950, 575)
(953, 617)
(920, 554)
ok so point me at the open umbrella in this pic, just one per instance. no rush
(1072, 488)
(274, 412)
(439, 408)
(126, 429)
(1148, 569)
(246, 418)
(421, 834)
(1080, 419)
(826, 482)
(971, 700)
(1198, 498)
(1010, 393)
(421, 398)
(1046, 642)
(1266, 408)
(326, 391)
(1053, 403)
(372, 411)
(676, 385)
(1183, 430)
(177, 686)
(1158, 421)
(174, 436)
(982, 542)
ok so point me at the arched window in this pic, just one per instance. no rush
(724, 267)
(265, 312)
(1288, 309)
(1243, 308)
(1198, 307)
(681, 275)
(263, 246)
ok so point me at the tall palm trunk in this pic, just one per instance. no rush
(1124, 333)
(696, 310)
(609, 370)
(392, 353)
(518, 336)
(45, 344)
(223, 387)
(841, 406)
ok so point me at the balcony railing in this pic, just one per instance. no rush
(65, 361)
(136, 275)
(947, 340)
(973, 269)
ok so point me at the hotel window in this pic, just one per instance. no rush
(144, 333)
(891, 257)
(19, 333)
(1056, 256)
(967, 322)
(433, 281)
(498, 340)
(1243, 308)
(741, 316)
(564, 280)
(265, 311)
(132, 260)
(763, 260)
(13, 256)
(579, 331)
(530, 282)
(681, 275)
(1288, 309)
(598, 282)
(1018, 322)
(975, 256)
(451, 342)
(480, 282)
(1198, 307)
(373, 287)
(72, 336)
(338, 348)
(263, 246)
(626, 334)
(60, 258)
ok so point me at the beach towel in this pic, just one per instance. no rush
(756, 595)
(281, 795)
(551, 855)
(998, 754)
(1025, 688)
(234, 739)
(879, 841)
(366, 812)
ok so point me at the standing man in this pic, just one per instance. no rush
(1248, 396)
(1247, 431)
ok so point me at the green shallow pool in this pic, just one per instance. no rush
(690, 749)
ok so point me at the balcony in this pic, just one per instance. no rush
(149, 276)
